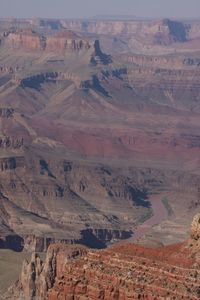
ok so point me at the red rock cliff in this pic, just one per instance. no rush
(121, 272)
(30, 40)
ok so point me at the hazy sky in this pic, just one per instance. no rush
(88, 8)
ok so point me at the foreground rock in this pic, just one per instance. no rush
(195, 228)
(120, 272)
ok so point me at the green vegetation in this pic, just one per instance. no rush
(165, 202)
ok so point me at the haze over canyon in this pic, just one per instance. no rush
(100, 145)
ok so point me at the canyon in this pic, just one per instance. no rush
(87, 137)
(99, 130)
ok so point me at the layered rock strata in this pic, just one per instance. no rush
(120, 272)
(30, 40)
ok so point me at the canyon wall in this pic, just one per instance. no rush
(169, 30)
(30, 40)
(120, 272)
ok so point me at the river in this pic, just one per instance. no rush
(159, 214)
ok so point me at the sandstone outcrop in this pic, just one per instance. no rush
(120, 272)
(167, 29)
(38, 277)
(26, 39)
(30, 40)
(66, 41)
(195, 228)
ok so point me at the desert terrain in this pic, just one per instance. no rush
(99, 133)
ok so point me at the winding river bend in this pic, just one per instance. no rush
(159, 214)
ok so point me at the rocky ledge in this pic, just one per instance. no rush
(31, 40)
(125, 271)
(195, 227)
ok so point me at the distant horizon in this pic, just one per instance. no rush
(87, 9)
(103, 17)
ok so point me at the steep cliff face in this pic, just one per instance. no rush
(128, 35)
(38, 277)
(26, 39)
(121, 272)
(66, 40)
(139, 36)
(170, 31)
(161, 32)
(166, 27)
(195, 228)
(30, 40)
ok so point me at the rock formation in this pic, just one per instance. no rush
(30, 40)
(66, 41)
(170, 30)
(26, 39)
(37, 278)
(98, 56)
(87, 138)
(195, 228)
(120, 272)
(6, 112)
